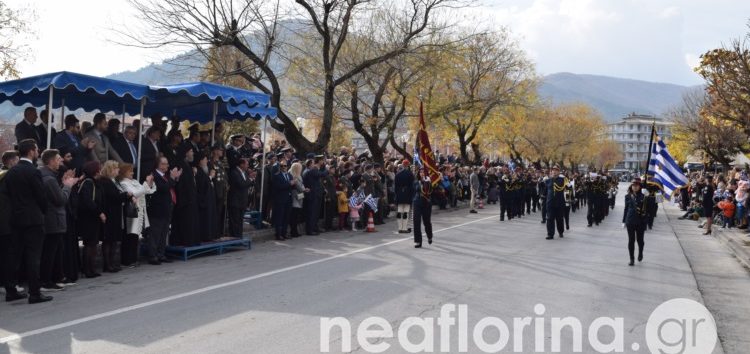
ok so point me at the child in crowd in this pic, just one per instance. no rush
(727, 207)
(343, 205)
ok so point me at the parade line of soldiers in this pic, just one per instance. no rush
(522, 192)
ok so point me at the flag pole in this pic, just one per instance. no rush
(650, 148)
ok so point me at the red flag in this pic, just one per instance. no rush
(425, 150)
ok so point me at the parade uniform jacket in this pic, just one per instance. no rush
(635, 214)
(404, 187)
(556, 192)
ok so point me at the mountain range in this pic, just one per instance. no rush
(613, 97)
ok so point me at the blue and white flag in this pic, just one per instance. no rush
(372, 202)
(663, 171)
(417, 161)
(356, 199)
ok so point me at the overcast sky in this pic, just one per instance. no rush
(654, 40)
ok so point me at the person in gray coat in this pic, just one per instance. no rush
(298, 196)
(55, 218)
(474, 185)
(103, 151)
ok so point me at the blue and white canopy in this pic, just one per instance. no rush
(193, 101)
(77, 91)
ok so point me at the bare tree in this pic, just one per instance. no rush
(14, 25)
(254, 28)
(489, 73)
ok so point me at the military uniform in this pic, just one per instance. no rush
(556, 205)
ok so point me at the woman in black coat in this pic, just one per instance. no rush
(206, 199)
(114, 202)
(185, 215)
(634, 218)
(89, 207)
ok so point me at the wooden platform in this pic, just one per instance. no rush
(218, 247)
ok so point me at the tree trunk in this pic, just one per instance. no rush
(477, 154)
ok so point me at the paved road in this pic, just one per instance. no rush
(271, 299)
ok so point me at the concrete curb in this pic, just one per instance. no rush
(265, 235)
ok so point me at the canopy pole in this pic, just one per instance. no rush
(213, 126)
(62, 115)
(122, 126)
(49, 116)
(263, 168)
(140, 138)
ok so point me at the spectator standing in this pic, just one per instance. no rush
(134, 227)
(239, 185)
(298, 196)
(9, 159)
(26, 129)
(206, 198)
(103, 150)
(114, 198)
(55, 219)
(27, 200)
(69, 140)
(160, 206)
(89, 206)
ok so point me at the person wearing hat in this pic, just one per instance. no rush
(233, 150)
(556, 185)
(634, 219)
(404, 185)
(185, 220)
(206, 197)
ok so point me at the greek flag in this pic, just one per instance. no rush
(663, 171)
(356, 199)
(372, 202)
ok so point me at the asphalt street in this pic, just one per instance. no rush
(271, 299)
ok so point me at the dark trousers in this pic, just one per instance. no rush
(236, 215)
(591, 212)
(635, 232)
(129, 249)
(281, 218)
(295, 218)
(555, 216)
(71, 255)
(157, 237)
(26, 245)
(312, 214)
(543, 209)
(422, 215)
(50, 266)
(504, 210)
(566, 217)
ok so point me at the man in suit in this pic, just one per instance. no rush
(103, 149)
(126, 146)
(239, 186)
(150, 151)
(27, 128)
(26, 194)
(160, 206)
(42, 128)
(404, 185)
(9, 159)
(233, 150)
(312, 202)
(556, 185)
(70, 141)
(282, 200)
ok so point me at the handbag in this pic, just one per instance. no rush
(131, 210)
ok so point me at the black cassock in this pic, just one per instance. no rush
(185, 217)
(206, 206)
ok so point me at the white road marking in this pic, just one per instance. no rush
(18, 336)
